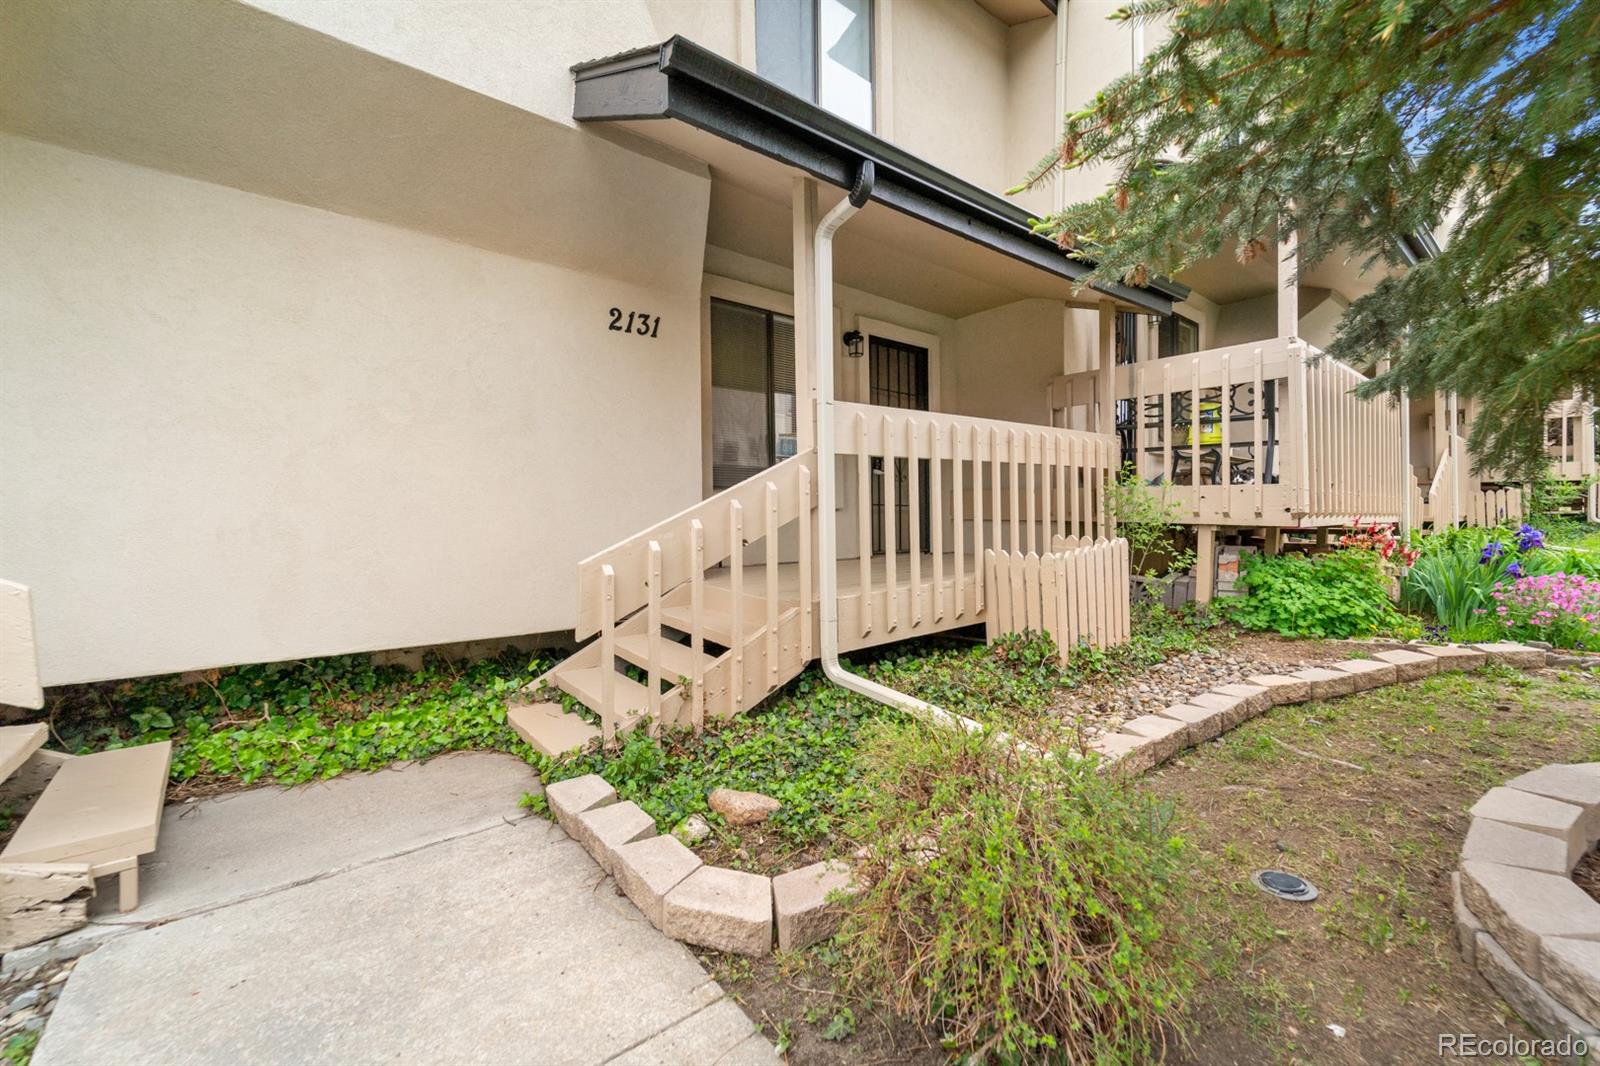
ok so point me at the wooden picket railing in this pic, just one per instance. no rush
(1078, 593)
(1570, 439)
(1263, 433)
(708, 612)
(1353, 450)
(1479, 507)
(1237, 462)
(970, 485)
(638, 592)
(749, 506)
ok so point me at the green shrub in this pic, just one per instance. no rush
(1340, 594)
(1014, 902)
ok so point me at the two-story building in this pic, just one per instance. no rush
(337, 326)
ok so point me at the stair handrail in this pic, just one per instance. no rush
(630, 559)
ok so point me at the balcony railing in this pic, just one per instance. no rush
(1266, 433)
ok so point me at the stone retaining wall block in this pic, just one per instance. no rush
(800, 903)
(648, 869)
(728, 910)
(570, 798)
(605, 829)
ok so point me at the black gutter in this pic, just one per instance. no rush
(681, 80)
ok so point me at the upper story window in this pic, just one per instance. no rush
(820, 50)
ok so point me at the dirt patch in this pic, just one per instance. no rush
(758, 849)
(1374, 955)
(1269, 648)
(793, 999)
(1587, 874)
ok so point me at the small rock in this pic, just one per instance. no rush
(65, 973)
(692, 830)
(21, 1017)
(1542, 645)
(33, 1025)
(742, 808)
(1337, 1030)
(24, 999)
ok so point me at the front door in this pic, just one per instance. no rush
(752, 391)
(897, 375)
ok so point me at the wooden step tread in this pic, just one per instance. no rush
(717, 624)
(677, 660)
(629, 698)
(551, 730)
(97, 807)
(17, 742)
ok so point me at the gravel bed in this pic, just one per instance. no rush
(1103, 707)
(27, 998)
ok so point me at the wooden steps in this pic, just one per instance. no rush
(551, 730)
(677, 660)
(629, 699)
(101, 812)
(717, 616)
(652, 594)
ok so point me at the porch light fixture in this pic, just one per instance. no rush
(852, 343)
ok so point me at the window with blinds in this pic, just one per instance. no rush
(752, 391)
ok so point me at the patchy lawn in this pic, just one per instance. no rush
(1375, 952)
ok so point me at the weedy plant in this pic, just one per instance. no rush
(1148, 519)
(1013, 901)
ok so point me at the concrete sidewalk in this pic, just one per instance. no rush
(397, 916)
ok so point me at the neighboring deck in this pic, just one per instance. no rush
(1261, 434)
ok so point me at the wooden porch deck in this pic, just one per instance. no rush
(944, 597)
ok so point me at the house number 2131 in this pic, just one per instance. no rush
(637, 322)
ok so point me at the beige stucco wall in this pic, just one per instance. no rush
(1009, 355)
(1033, 118)
(520, 52)
(1321, 310)
(240, 429)
(1257, 318)
(947, 59)
(1098, 50)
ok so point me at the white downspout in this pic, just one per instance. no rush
(827, 473)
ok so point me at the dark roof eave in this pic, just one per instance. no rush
(679, 79)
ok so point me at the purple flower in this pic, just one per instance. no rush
(1492, 550)
(1515, 569)
(1529, 538)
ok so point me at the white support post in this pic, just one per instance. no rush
(1205, 564)
(1107, 388)
(803, 226)
(1407, 479)
(1289, 286)
(1300, 380)
(1452, 420)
